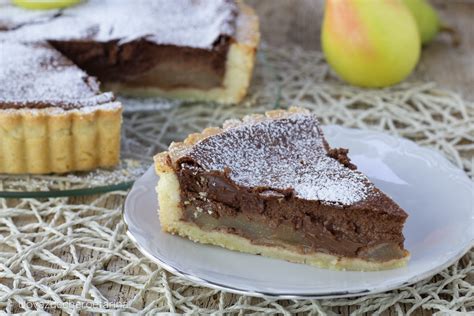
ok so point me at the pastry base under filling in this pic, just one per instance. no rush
(53, 140)
(173, 220)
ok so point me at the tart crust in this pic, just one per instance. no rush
(54, 140)
(239, 67)
(171, 211)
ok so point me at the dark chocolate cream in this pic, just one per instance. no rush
(277, 181)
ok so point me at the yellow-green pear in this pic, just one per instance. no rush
(370, 43)
(45, 4)
(426, 18)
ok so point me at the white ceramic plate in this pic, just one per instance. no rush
(440, 229)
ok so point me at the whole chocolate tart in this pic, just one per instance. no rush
(192, 49)
(271, 185)
(53, 117)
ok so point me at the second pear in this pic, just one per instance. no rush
(370, 43)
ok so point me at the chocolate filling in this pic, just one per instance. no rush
(267, 217)
(143, 63)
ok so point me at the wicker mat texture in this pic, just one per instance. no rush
(72, 254)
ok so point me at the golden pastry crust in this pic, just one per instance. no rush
(239, 67)
(52, 140)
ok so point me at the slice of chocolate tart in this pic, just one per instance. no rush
(271, 185)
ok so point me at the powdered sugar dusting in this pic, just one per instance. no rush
(14, 17)
(36, 73)
(282, 154)
(193, 23)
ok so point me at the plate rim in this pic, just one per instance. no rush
(333, 294)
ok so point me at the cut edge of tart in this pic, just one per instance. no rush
(173, 208)
(238, 67)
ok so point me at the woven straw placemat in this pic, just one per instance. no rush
(72, 254)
